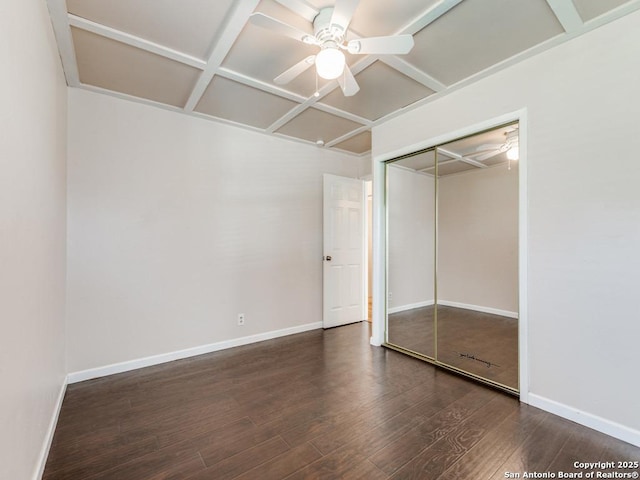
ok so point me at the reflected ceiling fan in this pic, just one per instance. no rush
(489, 150)
(329, 33)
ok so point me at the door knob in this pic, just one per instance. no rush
(328, 258)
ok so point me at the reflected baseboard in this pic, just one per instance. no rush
(448, 303)
(478, 308)
(410, 306)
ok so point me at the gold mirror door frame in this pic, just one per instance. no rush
(410, 208)
(468, 322)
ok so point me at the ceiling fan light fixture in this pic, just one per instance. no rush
(513, 153)
(330, 63)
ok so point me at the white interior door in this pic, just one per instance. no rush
(344, 251)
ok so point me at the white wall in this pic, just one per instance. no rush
(32, 235)
(478, 238)
(411, 234)
(583, 206)
(177, 224)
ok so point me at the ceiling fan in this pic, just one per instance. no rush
(329, 33)
(489, 150)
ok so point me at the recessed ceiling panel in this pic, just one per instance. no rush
(590, 9)
(420, 161)
(314, 125)
(263, 54)
(382, 91)
(479, 33)
(188, 26)
(239, 103)
(455, 166)
(360, 143)
(498, 159)
(274, 9)
(115, 66)
(307, 83)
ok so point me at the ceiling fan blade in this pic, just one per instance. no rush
(393, 45)
(488, 155)
(348, 83)
(274, 25)
(343, 12)
(293, 72)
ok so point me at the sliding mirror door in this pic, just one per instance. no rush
(452, 255)
(477, 256)
(410, 242)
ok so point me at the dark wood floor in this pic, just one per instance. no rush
(322, 404)
(479, 343)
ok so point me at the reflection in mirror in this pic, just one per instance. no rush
(477, 255)
(452, 255)
(411, 234)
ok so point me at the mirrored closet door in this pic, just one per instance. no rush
(452, 255)
(410, 241)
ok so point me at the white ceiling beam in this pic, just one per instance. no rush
(428, 16)
(566, 14)
(409, 169)
(444, 162)
(341, 113)
(259, 84)
(300, 7)
(290, 115)
(242, 9)
(323, 92)
(347, 136)
(410, 71)
(275, 90)
(62, 31)
(457, 156)
(135, 41)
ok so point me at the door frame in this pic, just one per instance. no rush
(380, 234)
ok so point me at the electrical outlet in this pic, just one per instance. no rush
(240, 319)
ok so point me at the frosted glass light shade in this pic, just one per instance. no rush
(513, 153)
(330, 63)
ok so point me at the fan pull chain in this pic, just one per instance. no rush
(316, 93)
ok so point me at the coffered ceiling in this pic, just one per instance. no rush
(205, 58)
(473, 153)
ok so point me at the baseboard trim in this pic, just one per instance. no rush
(479, 308)
(129, 365)
(48, 439)
(595, 422)
(447, 303)
(410, 306)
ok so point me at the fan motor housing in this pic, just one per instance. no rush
(324, 31)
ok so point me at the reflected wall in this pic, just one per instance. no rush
(411, 233)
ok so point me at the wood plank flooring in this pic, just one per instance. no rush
(321, 404)
(479, 343)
